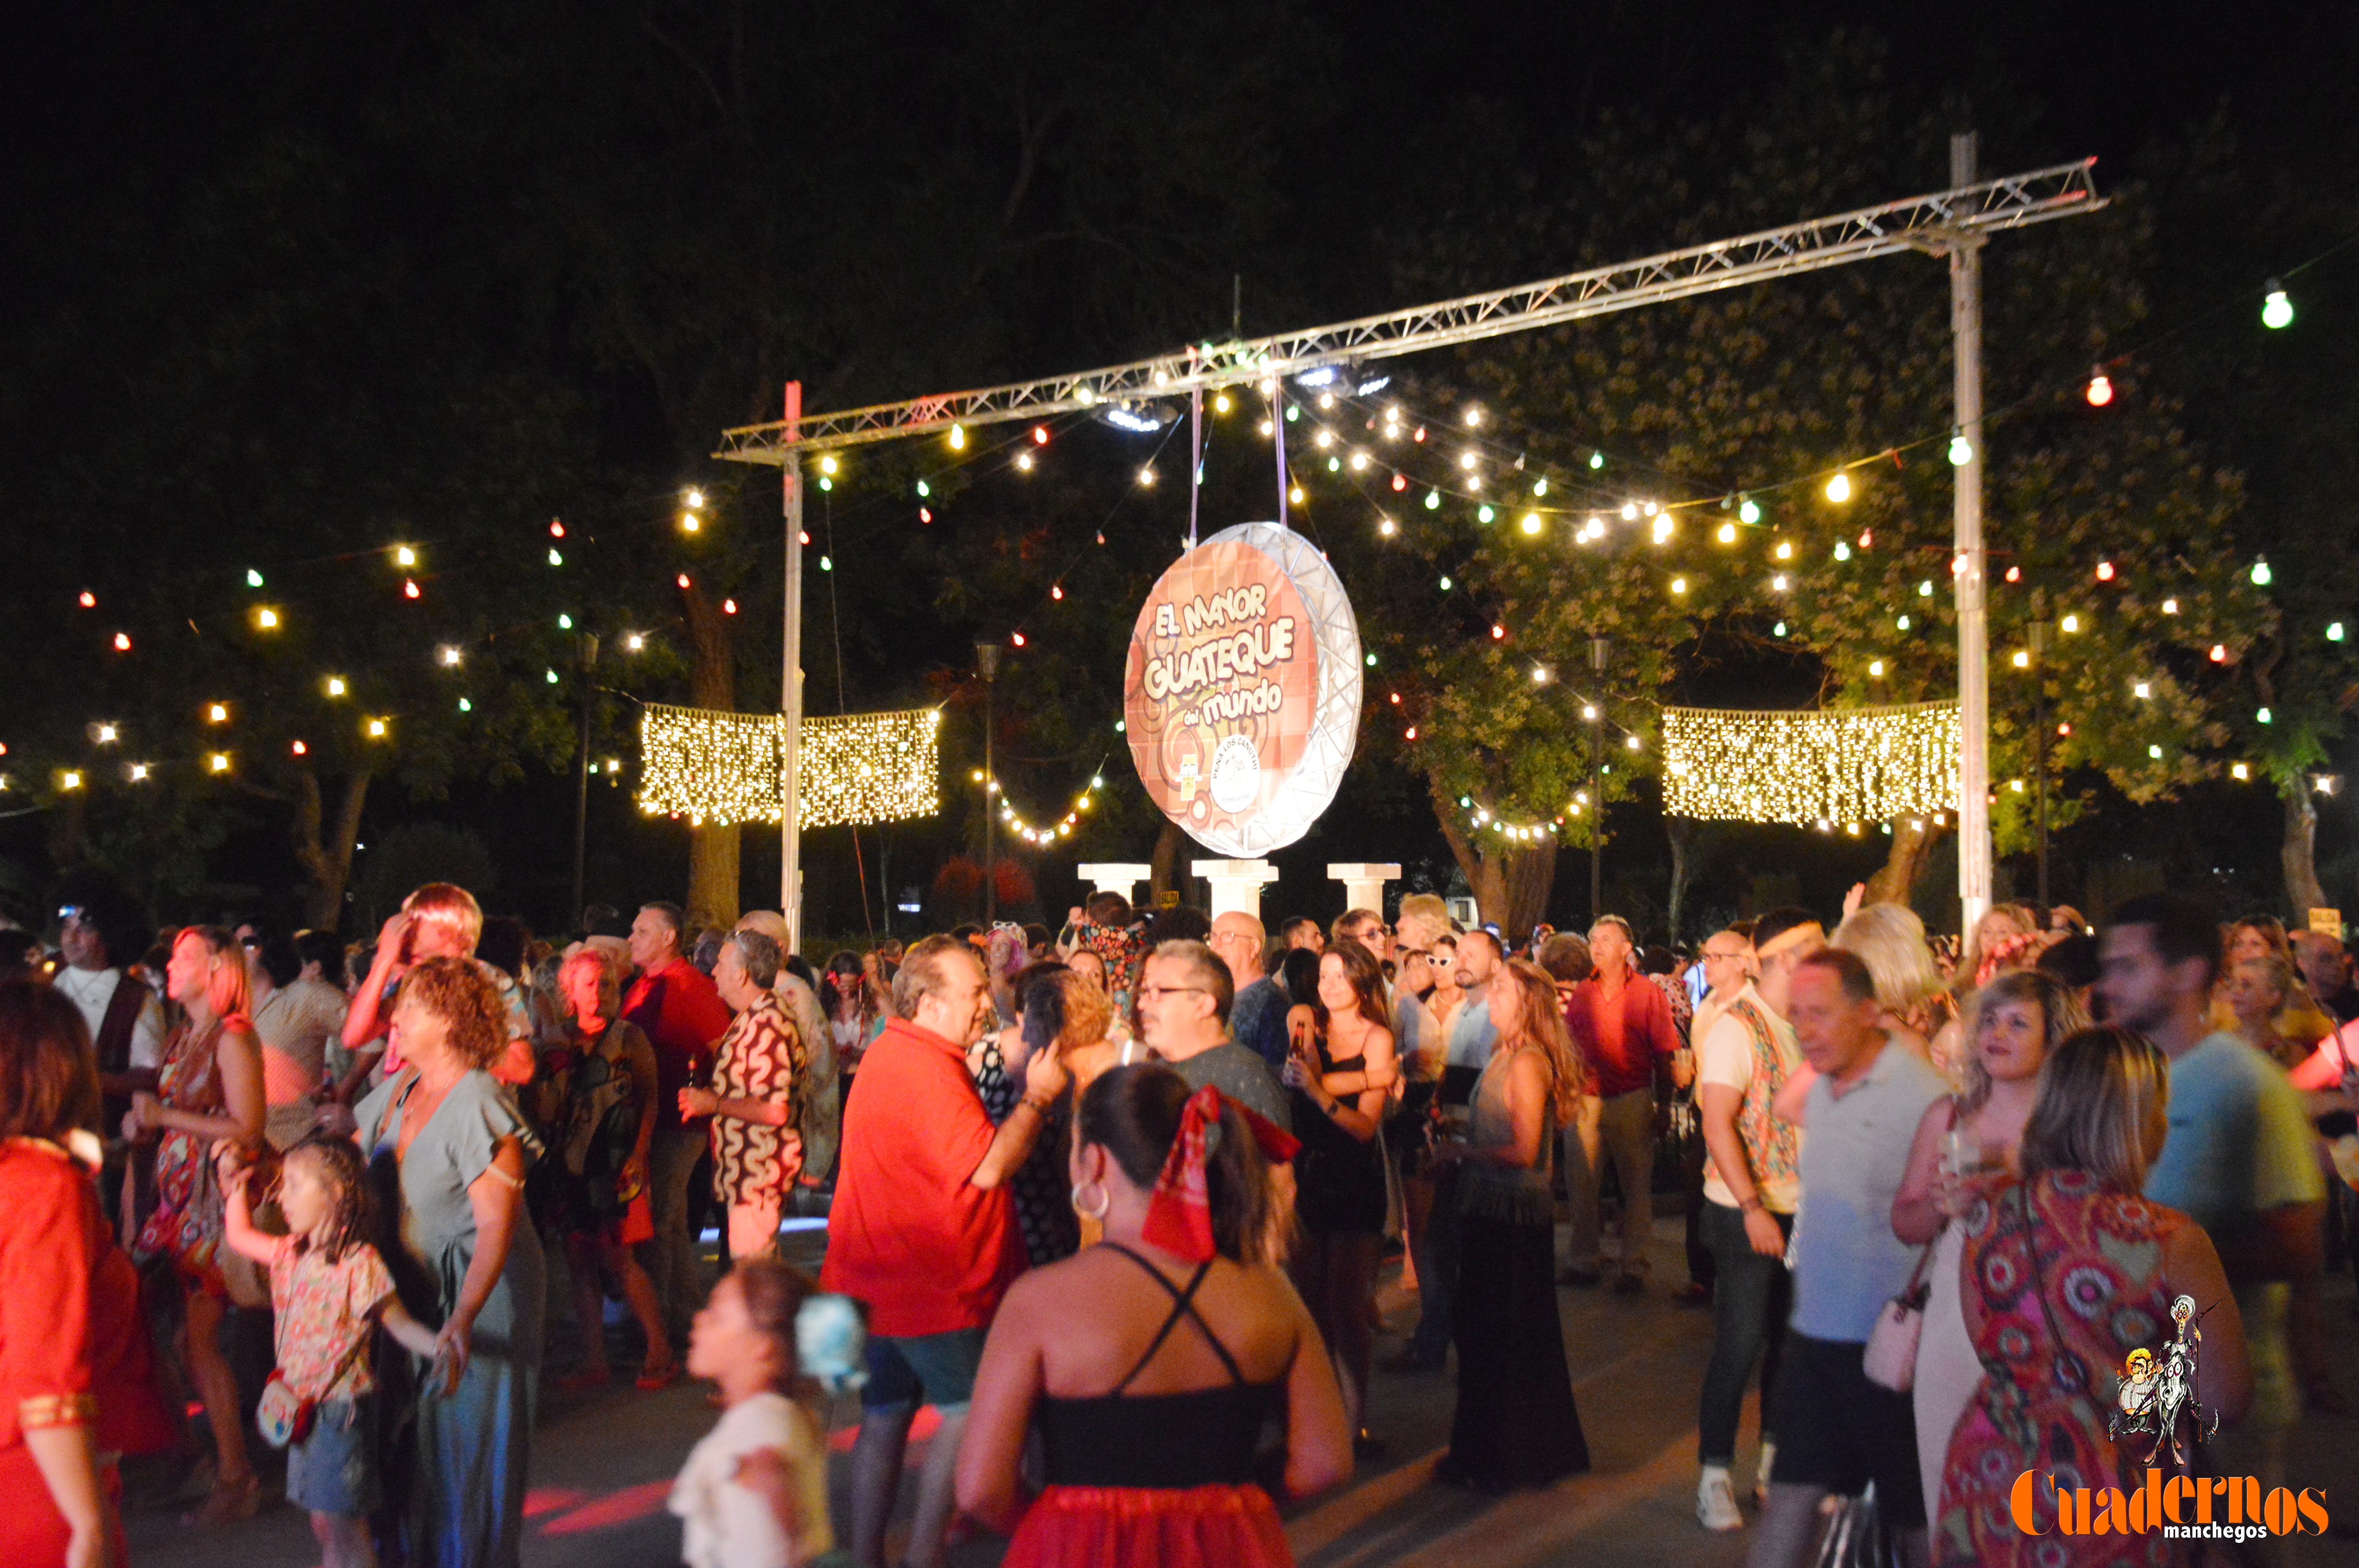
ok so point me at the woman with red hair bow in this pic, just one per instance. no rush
(1151, 1359)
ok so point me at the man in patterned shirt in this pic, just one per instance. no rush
(757, 1072)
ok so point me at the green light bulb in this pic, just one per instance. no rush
(2276, 311)
(252, 578)
(1750, 513)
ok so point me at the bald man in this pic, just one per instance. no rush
(1258, 1017)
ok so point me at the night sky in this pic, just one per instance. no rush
(126, 130)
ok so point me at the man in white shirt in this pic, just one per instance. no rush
(1751, 1179)
(1836, 1430)
(100, 944)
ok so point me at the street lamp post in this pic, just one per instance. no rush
(1597, 781)
(987, 665)
(2037, 636)
(582, 766)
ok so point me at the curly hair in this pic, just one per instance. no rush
(352, 1216)
(457, 991)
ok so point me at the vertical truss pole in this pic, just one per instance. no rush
(1195, 457)
(790, 682)
(1278, 443)
(1973, 621)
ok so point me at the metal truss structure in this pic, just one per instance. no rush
(1934, 222)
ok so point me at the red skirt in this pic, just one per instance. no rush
(1150, 1527)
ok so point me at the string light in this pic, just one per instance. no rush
(632, 642)
(409, 587)
(217, 713)
(2104, 571)
(2170, 607)
(556, 529)
(88, 600)
(335, 685)
(1839, 488)
(2261, 574)
(690, 522)
(403, 556)
(2277, 310)
(1015, 824)
(376, 729)
(220, 762)
(694, 500)
(2239, 772)
(1728, 532)
(267, 619)
(1531, 523)
(727, 767)
(1749, 512)
(1864, 764)
(1784, 551)
(1961, 451)
(556, 558)
(958, 440)
(449, 656)
(2100, 391)
(252, 578)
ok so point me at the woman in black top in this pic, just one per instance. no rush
(1341, 1073)
(1151, 1359)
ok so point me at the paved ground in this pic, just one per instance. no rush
(603, 1463)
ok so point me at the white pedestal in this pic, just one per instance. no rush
(1363, 885)
(1115, 876)
(1237, 884)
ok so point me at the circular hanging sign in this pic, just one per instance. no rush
(1241, 695)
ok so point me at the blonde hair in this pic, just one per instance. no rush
(1541, 1024)
(457, 991)
(2102, 1095)
(2061, 1016)
(1088, 1012)
(450, 906)
(1890, 940)
(586, 958)
(229, 986)
(1970, 957)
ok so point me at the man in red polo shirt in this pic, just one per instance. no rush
(677, 1008)
(923, 1232)
(1622, 1026)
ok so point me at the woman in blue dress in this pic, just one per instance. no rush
(448, 1152)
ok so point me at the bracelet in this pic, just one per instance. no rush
(1038, 1107)
(1749, 1204)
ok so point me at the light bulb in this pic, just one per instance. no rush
(2334, 631)
(2022, 660)
(1531, 523)
(1597, 459)
(267, 619)
(1785, 549)
(403, 556)
(957, 438)
(1749, 513)
(335, 685)
(2100, 391)
(695, 498)
(1839, 488)
(2261, 574)
(1843, 551)
(252, 578)
(1875, 668)
(555, 558)
(1779, 582)
(1924, 589)
(1484, 514)
(2277, 310)
(2070, 623)
(2170, 607)
(1961, 451)
(1728, 532)
(2104, 571)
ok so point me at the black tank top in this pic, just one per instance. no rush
(1201, 1438)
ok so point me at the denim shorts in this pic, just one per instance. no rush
(929, 1369)
(334, 1469)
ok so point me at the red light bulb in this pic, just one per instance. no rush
(2100, 391)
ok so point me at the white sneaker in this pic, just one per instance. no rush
(1761, 1482)
(1716, 1502)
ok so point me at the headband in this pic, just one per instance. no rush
(1179, 1211)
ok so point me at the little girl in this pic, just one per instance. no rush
(754, 1492)
(329, 1288)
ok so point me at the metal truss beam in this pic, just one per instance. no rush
(1943, 219)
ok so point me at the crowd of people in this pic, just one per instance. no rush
(1130, 1186)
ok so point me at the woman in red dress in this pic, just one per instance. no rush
(1151, 1359)
(75, 1383)
(211, 1092)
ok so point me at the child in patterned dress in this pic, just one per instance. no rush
(329, 1288)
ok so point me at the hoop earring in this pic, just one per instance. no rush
(1105, 1201)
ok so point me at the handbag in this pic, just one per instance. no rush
(282, 1416)
(1890, 1359)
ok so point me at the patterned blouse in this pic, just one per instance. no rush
(761, 1059)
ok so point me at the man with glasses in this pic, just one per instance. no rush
(1366, 927)
(923, 1234)
(1258, 1017)
(1185, 994)
(1746, 1054)
(99, 943)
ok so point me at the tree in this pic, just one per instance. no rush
(1757, 396)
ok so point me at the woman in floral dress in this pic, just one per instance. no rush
(2065, 1272)
(211, 1091)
